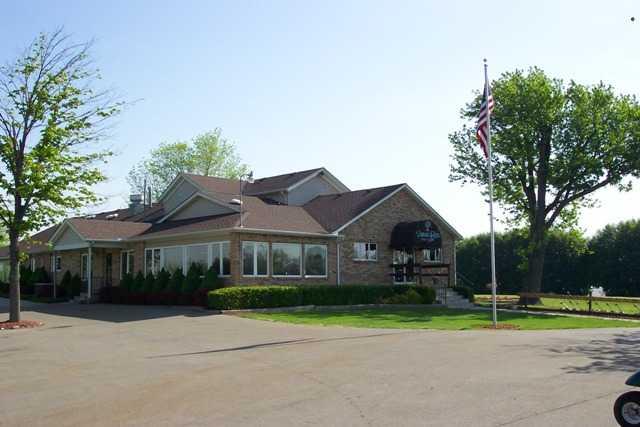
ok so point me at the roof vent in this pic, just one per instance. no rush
(112, 216)
(235, 202)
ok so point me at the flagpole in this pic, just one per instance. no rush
(493, 240)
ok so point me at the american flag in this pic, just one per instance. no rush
(482, 130)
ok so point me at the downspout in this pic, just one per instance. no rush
(53, 273)
(89, 273)
(338, 278)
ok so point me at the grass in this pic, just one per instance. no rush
(436, 318)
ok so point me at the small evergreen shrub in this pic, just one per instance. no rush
(162, 281)
(193, 281)
(177, 281)
(65, 284)
(139, 282)
(211, 280)
(241, 297)
(76, 285)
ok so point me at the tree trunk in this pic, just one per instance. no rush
(535, 263)
(14, 278)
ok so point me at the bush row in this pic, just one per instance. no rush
(165, 288)
(244, 297)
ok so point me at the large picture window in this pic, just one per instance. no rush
(199, 255)
(173, 258)
(315, 260)
(365, 251)
(220, 258)
(287, 259)
(152, 261)
(255, 258)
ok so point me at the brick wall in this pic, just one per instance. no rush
(376, 227)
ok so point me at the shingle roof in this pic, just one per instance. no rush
(268, 184)
(256, 215)
(36, 243)
(335, 210)
(98, 229)
(278, 182)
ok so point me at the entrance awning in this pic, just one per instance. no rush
(415, 235)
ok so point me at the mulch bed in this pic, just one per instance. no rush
(501, 326)
(20, 325)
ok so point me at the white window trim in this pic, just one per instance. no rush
(366, 251)
(255, 258)
(129, 252)
(326, 262)
(288, 276)
(436, 261)
(185, 267)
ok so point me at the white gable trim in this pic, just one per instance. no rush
(192, 198)
(327, 176)
(65, 224)
(415, 196)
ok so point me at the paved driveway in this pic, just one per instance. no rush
(117, 365)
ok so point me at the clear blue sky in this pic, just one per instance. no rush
(368, 89)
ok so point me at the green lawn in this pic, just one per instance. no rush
(436, 318)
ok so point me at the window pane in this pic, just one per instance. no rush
(124, 257)
(172, 259)
(359, 250)
(148, 261)
(197, 255)
(372, 252)
(83, 266)
(226, 261)
(262, 252)
(156, 261)
(247, 258)
(286, 259)
(315, 260)
(215, 257)
(130, 266)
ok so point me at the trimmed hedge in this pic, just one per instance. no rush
(244, 297)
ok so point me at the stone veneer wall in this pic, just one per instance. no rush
(376, 227)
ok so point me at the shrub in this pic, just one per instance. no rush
(409, 297)
(26, 280)
(235, 298)
(40, 275)
(162, 281)
(76, 285)
(4, 288)
(149, 283)
(466, 292)
(65, 284)
(127, 282)
(242, 297)
(177, 281)
(138, 282)
(211, 280)
(193, 281)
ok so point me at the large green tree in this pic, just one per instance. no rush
(208, 154)
(554, 145)
(51, 118)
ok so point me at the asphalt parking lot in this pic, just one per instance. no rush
(127, 365)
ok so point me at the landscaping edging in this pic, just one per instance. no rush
(325, 308)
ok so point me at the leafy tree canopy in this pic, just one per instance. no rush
(554, 144)
(51, 119)
(208, 154)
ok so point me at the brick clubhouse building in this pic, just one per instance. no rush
(296, 228)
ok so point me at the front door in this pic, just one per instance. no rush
(403, 266)
(108, 270)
